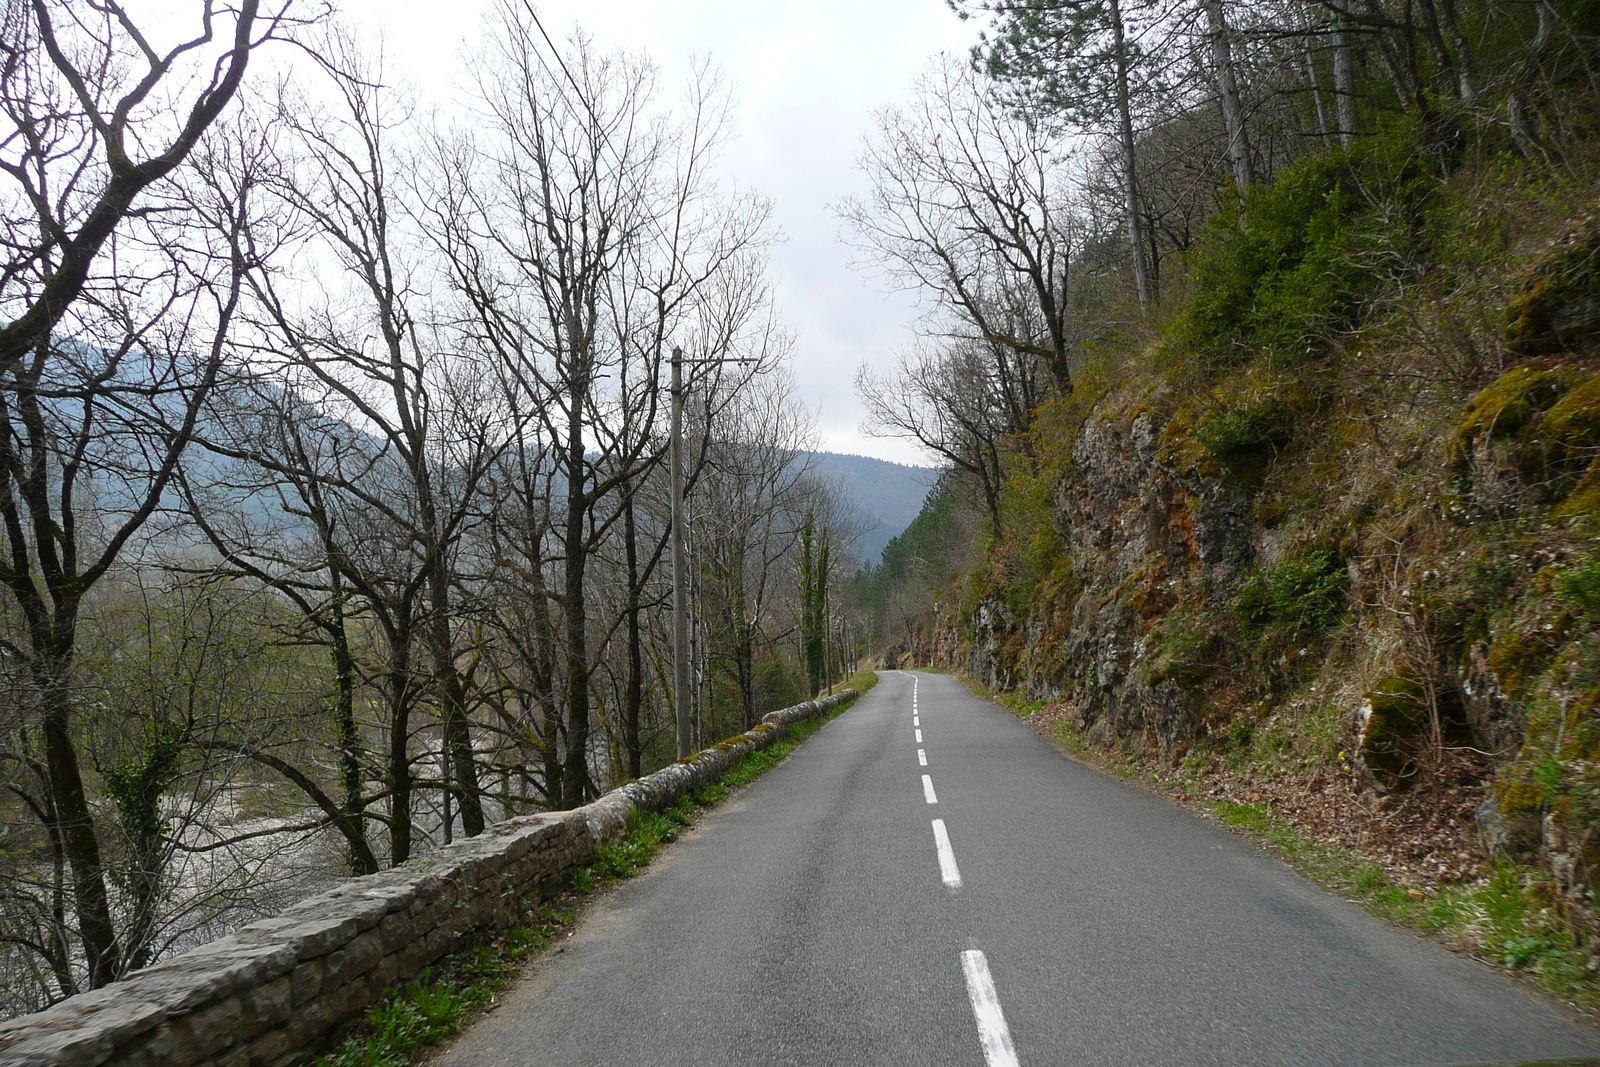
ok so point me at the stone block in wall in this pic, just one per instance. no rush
(316, 933)
(354, 959)
(416, 956)
(307, 982)
(387, 972)
(440, 940)
(238, 1056)
(270, 1048)
(397, 930)
(265, 1006)
(317, 1018)
(205, 1032)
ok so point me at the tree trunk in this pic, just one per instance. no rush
(79, 841)
(633, 697)
(1228, 93)
(399, 752)
(1344, 86)
(1466, 68)
(577, 786)
(543, 669)
(1444, 63)
(743, 652)
(1315, 83)
(1130, 162)
(359, 856)
(457, 729)
(462, 766)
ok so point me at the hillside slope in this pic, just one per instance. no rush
(888, 494)
(1352, 587)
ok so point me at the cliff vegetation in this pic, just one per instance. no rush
(1312, 533)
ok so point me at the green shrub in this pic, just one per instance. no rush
(1300, 597)
(1287, 268)
(1579, 586)
(1232, 432)
(1555, 310)
(1184, 649)
(1489, 579)
(1240, 733)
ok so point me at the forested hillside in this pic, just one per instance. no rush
(1265, 359)
(886, 495)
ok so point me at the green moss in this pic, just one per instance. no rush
(1579, 586)
(1396, 722)
(1583, 501)
(1506, 406)
(1185, 649)
(1231, 432)
(1300, 597)
(1558, 310)
(1520, 653)
(1573, 423)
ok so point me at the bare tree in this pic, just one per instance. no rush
(946, 400)
(968, 204)
(92, 130)
(92, 429)
(583, 234)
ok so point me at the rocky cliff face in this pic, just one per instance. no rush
(1146, 533)
(1397, 583)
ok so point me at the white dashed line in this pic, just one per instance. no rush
(919, 736)
(998, 1051)
(947, 858)
(927, 790)
(915, 721)
(922, 757)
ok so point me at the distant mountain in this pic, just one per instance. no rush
(890, 493)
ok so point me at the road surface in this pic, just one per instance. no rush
(926, 881)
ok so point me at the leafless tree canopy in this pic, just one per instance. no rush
(331, 473)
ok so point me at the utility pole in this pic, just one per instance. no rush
(680, 577)
(680, 564)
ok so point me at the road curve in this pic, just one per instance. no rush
(969, 895)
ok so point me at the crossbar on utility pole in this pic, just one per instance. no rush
(680, 578)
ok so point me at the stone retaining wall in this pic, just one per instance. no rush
(274, 991)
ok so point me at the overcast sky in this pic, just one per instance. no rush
(807, 76)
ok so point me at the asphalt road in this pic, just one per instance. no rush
(815, 919)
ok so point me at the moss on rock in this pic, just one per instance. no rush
(1394, 717)
(1558, 310)
(1509, 404)
(1519, 654)
(1573, 422)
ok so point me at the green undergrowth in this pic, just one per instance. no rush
(436, 1004)
(428, 1010)
(1509, 917)
(1506, 917)
(1013, 699)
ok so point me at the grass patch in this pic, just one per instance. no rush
(420, 1014)
(436, 1004)
(1012, 699)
